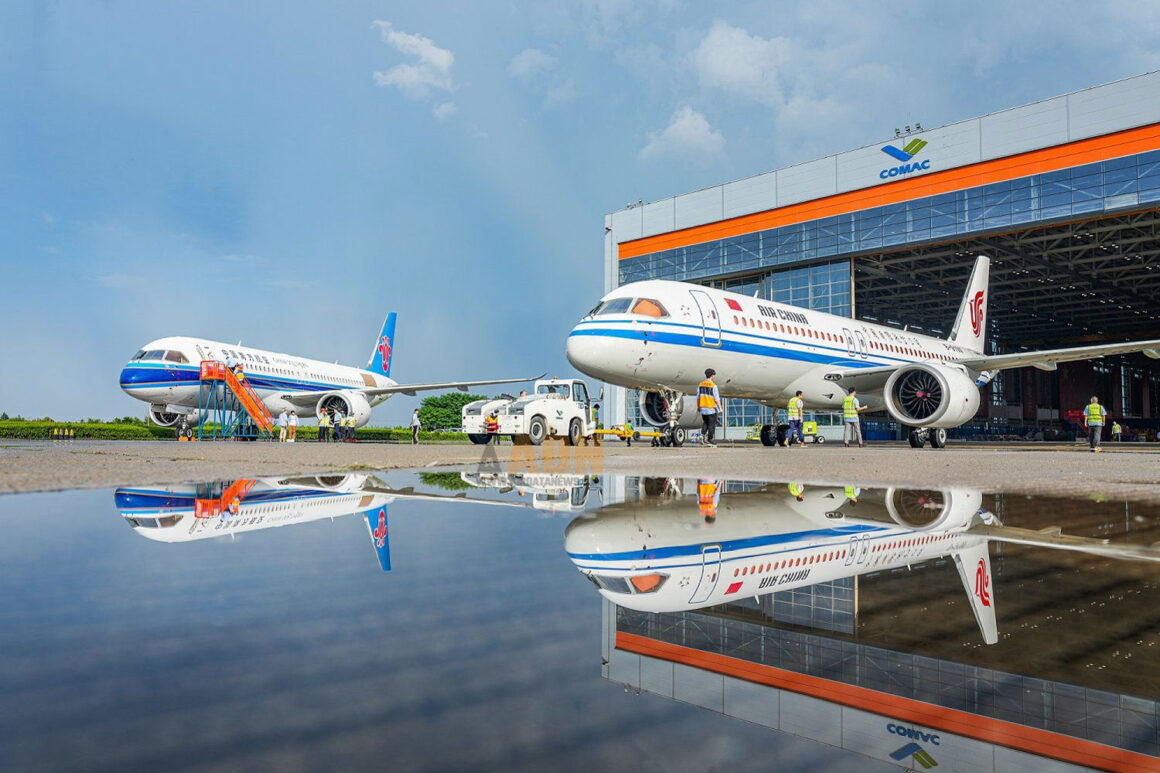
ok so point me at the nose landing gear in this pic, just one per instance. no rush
(672, 434)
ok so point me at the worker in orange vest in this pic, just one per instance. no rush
(491, 426)
(708, 495)
(709, 404)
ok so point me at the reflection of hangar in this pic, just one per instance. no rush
(1063, 194)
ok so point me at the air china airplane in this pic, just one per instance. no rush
(660, 336)
(686, 552)
(165, 374)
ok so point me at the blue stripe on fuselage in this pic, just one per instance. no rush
(146, 377)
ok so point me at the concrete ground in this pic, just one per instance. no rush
(1129, 471)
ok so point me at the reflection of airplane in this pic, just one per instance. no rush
(659, 336)
(556, 492)
(185, 513)
(165, 373)
(667, 557)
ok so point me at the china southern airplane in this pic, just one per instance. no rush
(660, 336)
(165, 374)
(687, 553)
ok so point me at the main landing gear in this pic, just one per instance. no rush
(774, 434)
(920, 435)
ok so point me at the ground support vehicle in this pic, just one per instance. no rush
(558, 408)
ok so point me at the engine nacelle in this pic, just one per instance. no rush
(652, 410)
(350, 403)
(351, 483)
(925, 395)
(171, 416)
(928, 509)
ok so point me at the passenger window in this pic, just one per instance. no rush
(649, 308)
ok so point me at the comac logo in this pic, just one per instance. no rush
(977, 313)
(911, 150)
(920, 755)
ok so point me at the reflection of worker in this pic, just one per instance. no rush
(1093, 417)
(415, 426)
(708, 496)
(852, 493)
(798, 490)
(709, 403)
(1117, 431)
(795, 412)
(491, 427)
(851, 424)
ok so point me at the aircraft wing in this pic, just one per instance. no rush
(1046, 360)
(308, 399)
(862, 379)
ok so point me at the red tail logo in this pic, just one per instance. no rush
(380, 532)
(384, 348)
(983, 583)
(977, 313)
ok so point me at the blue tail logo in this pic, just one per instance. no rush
(380, 361)
(377, 526)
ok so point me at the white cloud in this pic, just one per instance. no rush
(561, 94)
(431, 71)
(444, 111)
(688, 136)
(745, 66)
(530, 63)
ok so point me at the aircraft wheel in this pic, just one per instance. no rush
(477, 438)
(678, 438)
(537, 431)
(782, 434)
(938, 438)
(917, 438)
(575, 433)
(768, 435)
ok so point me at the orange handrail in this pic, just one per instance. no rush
(249, 400)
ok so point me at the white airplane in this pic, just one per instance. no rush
(660, 336)
(680, 553)
(165, 373)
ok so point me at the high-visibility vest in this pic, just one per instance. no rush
(707, 497)
(852, 492)
(1116, 426)
(795, 408)
(324, 420)
(797, 489)
(848, 409)
(491, 424)
(1095, 415)
(705, 397)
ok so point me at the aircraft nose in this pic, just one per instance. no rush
(584, 350)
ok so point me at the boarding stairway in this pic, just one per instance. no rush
(217, 499)
(229, 407)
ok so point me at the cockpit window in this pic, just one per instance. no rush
(140, 353)
(646, 583)
(649, 308)
(615, 306)
(156, 354)
(613, 584)
(173, 356)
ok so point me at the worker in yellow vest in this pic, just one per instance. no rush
(1117, 432)
(795, 412)
(323, 426)
(1093, 417)
(709, 404)
(798, 490)
(708, 496)
(851, 424)
(852, 493)
(350, 427)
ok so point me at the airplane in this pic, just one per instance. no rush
(165, 373)
(671, 552)
(659, 336)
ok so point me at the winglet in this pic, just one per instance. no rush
(970, 330)
(974, 565)
(380, 538)
(380, 361)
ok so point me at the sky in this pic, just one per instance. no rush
(286, 173)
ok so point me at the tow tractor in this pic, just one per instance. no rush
(557, 408)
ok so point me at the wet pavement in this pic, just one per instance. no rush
(425, 620)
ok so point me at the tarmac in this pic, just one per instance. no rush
(1129, 471)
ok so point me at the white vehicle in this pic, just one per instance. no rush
(557, 408)
(553, 492)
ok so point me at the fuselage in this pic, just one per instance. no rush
(663, 334)
(669, 558)
(165, 373)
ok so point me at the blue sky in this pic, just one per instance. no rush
(285, 173)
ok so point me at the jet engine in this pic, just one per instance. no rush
(927, 509)
(925, 395)
(167, 416)
(653, 411)
(350, 403)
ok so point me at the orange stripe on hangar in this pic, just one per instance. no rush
(1029, 739)
(1076, 153)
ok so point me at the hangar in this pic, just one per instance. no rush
(1062, 194)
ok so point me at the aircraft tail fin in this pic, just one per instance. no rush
(974, 565)
(380, 539)
(380, 361)
(970, 330)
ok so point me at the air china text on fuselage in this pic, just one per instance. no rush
(659, 336)
(165, 373)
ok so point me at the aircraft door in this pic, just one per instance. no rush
(710, 319)
(849, 341)
(862, 345)
(710, 572)
(863, 549)
(852, 551)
